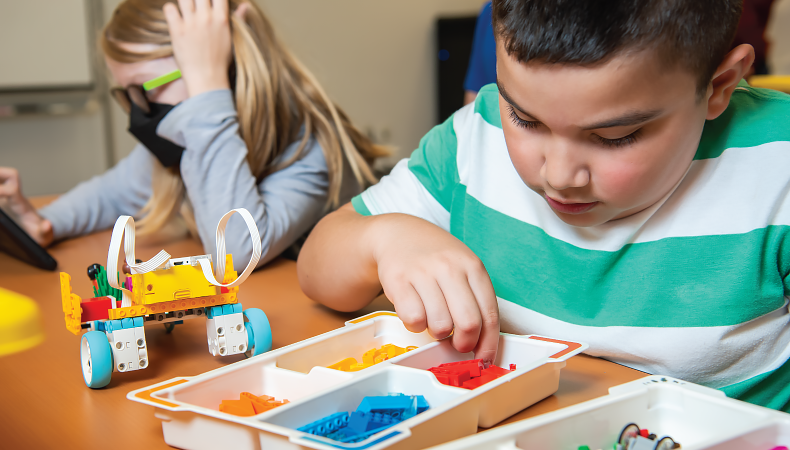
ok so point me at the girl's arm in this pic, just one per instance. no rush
(217, 178)
(95, 204)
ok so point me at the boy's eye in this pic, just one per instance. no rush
(519, 122)
(619, 142)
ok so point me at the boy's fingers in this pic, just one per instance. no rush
(440, 322)
(408, 306)
(488, 344)
(464, 310)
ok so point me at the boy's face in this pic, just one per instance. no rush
(599, 143)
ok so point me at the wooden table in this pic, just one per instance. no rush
(44, 402)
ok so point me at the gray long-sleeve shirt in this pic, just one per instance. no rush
(217, 179)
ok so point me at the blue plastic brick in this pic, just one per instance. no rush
(399, 406)
(227, 309)
(214, 311)
(326, 425)
(127, 323)
(113, 325)
(138, 321)
(362, 422)
(237, 308)
(374, 414)
(99, 325)
(422, 404)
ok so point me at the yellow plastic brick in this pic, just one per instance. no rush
(371, 357)
(72, 309)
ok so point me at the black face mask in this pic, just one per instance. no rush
(143, 127)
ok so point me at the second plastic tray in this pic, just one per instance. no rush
(694, 416)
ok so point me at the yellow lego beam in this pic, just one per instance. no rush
(71, 304)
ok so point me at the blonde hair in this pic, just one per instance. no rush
(276, 98)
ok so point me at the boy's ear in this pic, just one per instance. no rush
(735, 66)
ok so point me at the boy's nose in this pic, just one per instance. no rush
(562, 169)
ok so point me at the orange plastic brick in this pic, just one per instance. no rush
(371, 357)
(250, 404)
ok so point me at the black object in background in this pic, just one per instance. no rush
(17, 243)
(455, 36)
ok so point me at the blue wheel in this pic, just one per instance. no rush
(96, 358)
(259, 332)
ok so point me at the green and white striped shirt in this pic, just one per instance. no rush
(695, 287)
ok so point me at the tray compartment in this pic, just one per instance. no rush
(382, 382)
(353, 341)
(258, 379)
(533, 380)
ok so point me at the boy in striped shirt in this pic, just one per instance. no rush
(621, 186)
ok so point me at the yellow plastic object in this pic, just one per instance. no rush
(177, 283)
(371, 357)
(71, 304)
(775, 82)
(20, 323)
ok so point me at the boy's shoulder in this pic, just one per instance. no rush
(755, 117)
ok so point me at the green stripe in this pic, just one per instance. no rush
(487, 105)
(698, 281)
(771, 389)
(360, 206)
(754, 117)
(434, 162)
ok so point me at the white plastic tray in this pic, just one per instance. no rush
(190, 417)
(694, 416)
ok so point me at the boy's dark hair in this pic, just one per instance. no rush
(696, 34)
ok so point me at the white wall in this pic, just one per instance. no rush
(53, 152)
(376, 60)
(778, 35)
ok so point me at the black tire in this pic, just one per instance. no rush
(629, 431)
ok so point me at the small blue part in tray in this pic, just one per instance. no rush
(374, 414)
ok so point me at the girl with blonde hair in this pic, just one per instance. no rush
(226, 118)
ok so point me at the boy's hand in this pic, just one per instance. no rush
(12, 201)
(436, 282)
(201, 39)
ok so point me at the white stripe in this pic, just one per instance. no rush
(402, 192)
(712, 356)
(742, 190)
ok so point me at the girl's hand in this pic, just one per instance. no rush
(201, 43)
(17, 205)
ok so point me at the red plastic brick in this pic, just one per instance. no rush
(95, 308)
(468, 374)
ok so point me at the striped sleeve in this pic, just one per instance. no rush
(422, 185)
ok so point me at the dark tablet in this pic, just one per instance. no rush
(17, 243)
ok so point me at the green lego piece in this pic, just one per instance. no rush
(160, 81)
(104, 286)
